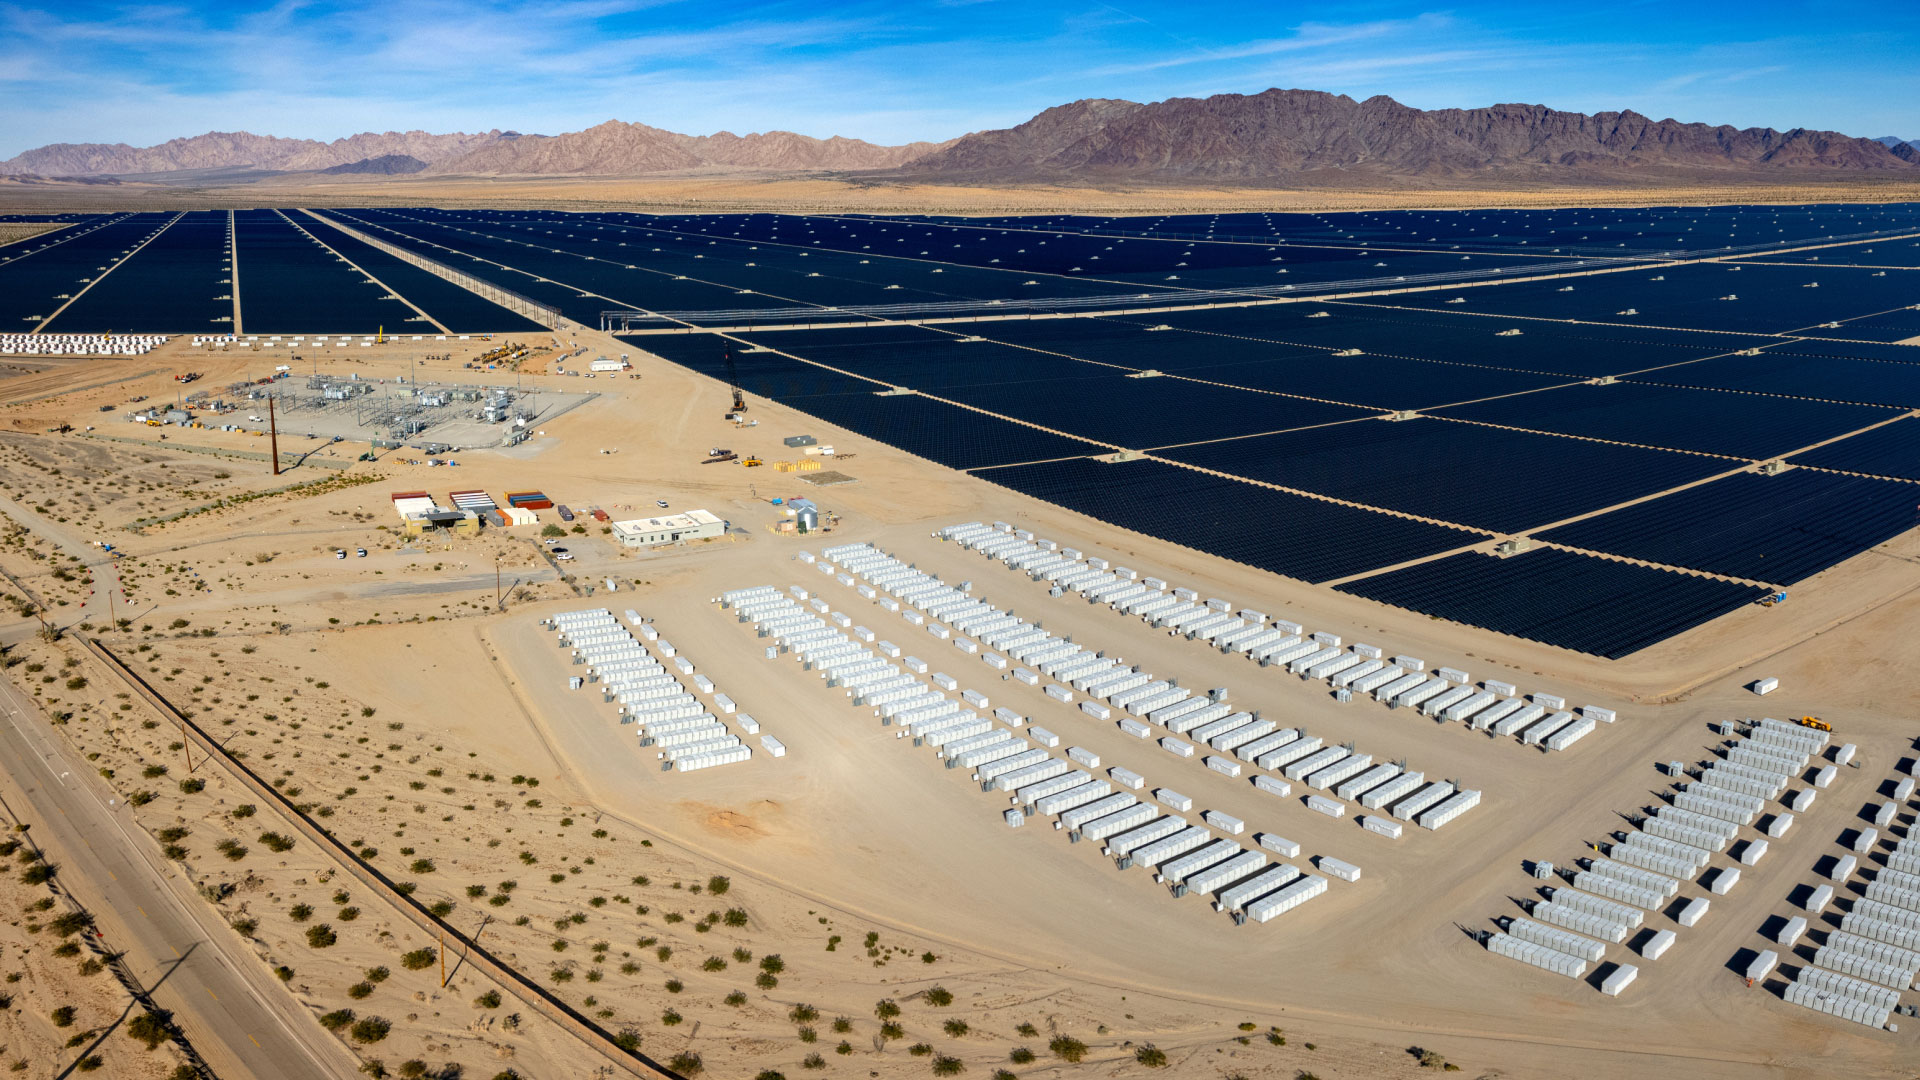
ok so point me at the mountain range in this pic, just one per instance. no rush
(1278, 136)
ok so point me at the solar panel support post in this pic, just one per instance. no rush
(273, 436)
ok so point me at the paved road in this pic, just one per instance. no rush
(241, 1021)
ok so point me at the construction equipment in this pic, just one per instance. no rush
(719, 454)
(1813, 722)
(187, 377)
(1776, 598)
(733, 381)
(751, 462)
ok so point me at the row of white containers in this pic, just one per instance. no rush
(685, 735)
(1642, 872)
(1040, 784)
(1447, 693)
(1861, 970)
(1301, 757)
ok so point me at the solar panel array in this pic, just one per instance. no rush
(1892, 450)
(1643, 419)
(1291, 535)
(1781, 529)
(1578, 602)
(1634, 386)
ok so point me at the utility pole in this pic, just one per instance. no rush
(496, 582)
(273, 436)
(443, 959)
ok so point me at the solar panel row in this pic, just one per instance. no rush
(1559, 598)
(1891, 450)
(1780, 529)
(1277, 531)
(1707, 421)
(1471, 474)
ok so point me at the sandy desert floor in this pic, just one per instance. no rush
(401, 707)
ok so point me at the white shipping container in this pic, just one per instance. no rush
(1043, 737)
(1386, 827)
(1226, 823)
(1084, 756)
(1329, 807)
(1695, 910)
(1339, 868)
(1272, 785)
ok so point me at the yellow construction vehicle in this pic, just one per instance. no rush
(1813, 722)
(751, 462)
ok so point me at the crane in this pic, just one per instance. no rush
(733, 381)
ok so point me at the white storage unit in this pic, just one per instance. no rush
(1324, 805)
(1619, 979)
(1266, 881)
(1539, 956)
(1043, 736)
(1847, 1008)
(1272, 785)
(1127, 778)
(1175, 747)
(773, 746)
(1695, 910)
(1339, 868)
(1656, 946)
(1224, 766)
(1448, 809)
(1286, 899)
(1724, 879)
(1584, 922)
(1133, 839)
(1226, 823)
(1280, 844)
(1386, 827)
(1217, 877)
(1171, 798)
(1084, 756)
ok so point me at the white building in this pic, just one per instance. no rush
(604, 364)
(670, 529)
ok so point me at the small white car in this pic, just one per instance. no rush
(362, 552)
(564, 557)
(340, 553)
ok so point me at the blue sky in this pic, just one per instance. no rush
(78, 71)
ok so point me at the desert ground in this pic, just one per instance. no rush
(850, 906)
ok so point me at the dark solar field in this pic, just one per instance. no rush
(1577, 602)
(57, 266)
(1033, 344)
(1893, 450)
(460, 311)
(1706, 421)
(1287, 534)
(183, 273)
(1571, 397)
(1783, 528)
